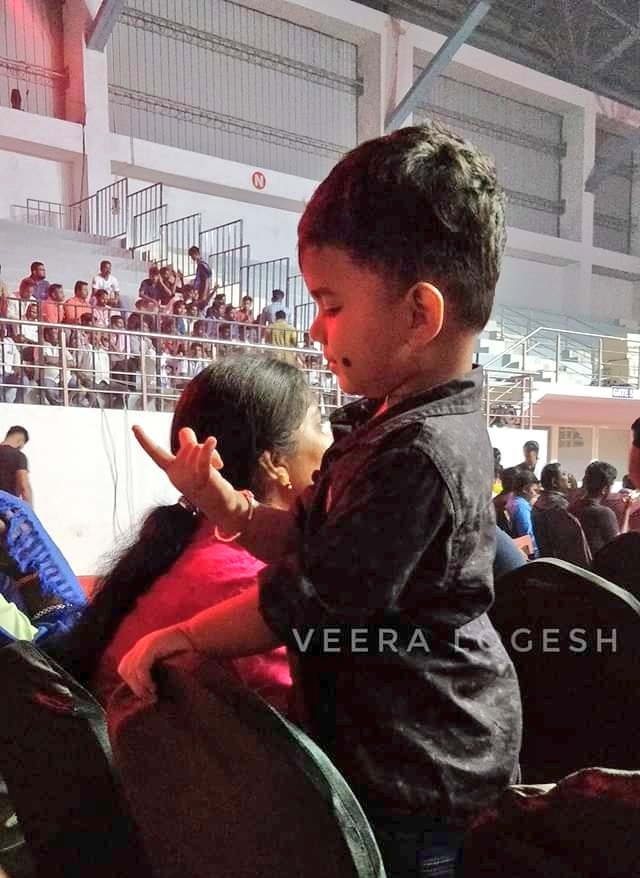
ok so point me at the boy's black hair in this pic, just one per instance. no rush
(522, 479)
(418, 204)
(281, 315)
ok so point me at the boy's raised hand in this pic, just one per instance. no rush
(194, 472)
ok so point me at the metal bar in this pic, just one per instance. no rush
(434, 68)
(616, 154)
(102, 26)
(64, 374)
(557, 358)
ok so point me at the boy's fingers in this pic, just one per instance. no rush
(187, 437)
(162, 458)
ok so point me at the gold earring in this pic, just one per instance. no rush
(289, 486)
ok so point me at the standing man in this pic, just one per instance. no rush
(276, 304)
(202, 281)
(108, 283)
(531, 450)
(14, 469)
(40, 283)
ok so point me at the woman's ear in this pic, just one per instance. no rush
(273, 470)
(427, 310)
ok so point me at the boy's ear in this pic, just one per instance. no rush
(427, 304)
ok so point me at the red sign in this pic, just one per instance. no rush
(259, 180)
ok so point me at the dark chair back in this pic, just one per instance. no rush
(619, 562)
(221, 784)
(574, 639)
(56, 761)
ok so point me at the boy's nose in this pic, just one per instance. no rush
(316, 330)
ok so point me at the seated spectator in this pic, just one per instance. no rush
(271, 437)
(171, 286)
(192, 309)
(197, 360)
(101, 310)
(270, 311)
(107, 283)
(229, 330)
(502, 503)
(497, 472)
(599, 523)
(150, 287)
(52, 309)
(78, 304)
(180, 324)
(558, 533)
(281, 334)
(118, 348)
(38, 277)
(28, 333)
(202, 329)
(11, 374)
(52, 371)
(17, 305)
(525, 494)
(244, 314)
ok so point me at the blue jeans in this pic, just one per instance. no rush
(432, 852)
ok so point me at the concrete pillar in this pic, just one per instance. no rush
(397, 63)
(87, 101)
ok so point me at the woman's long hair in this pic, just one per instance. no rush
(251, 404)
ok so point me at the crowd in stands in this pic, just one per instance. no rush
(181, 324)
(554, 518)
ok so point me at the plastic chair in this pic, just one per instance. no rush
(574, 639)
(56, 761)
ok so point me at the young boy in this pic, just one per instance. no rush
(401, 248)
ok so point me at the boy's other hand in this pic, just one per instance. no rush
(194, 472)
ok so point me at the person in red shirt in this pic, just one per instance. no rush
(269, 428)
(52, 307)
(78, 305)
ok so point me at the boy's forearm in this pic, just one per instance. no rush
(231, 629)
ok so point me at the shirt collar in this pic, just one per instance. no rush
(461, 395)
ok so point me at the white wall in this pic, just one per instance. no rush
(71, 453)
(611, 298)
(510, 441)
(25, 177)
(271, 233)
(527, 284)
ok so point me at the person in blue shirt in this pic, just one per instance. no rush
(525, 493)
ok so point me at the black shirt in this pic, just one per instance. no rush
(400, 532)
(599, 523)
(11, 460)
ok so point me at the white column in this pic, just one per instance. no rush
(397, 64)
(87, 101)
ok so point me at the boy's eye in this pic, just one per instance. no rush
(331, 311)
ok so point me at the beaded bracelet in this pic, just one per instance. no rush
(253, 505)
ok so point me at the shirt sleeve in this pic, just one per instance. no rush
(21, 462)
(356, 565)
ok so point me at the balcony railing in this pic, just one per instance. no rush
(93, 366)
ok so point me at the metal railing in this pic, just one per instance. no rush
(103, 214)
(226, 266)
(262, 278)
(128, 368)
(219, 239)
(562, 355)
(508, 398)
(176, 237)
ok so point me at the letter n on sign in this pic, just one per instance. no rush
(259, 180)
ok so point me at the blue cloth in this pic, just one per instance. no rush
(522, 521)
(41, 289)
(203, 273)
(33, 551)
